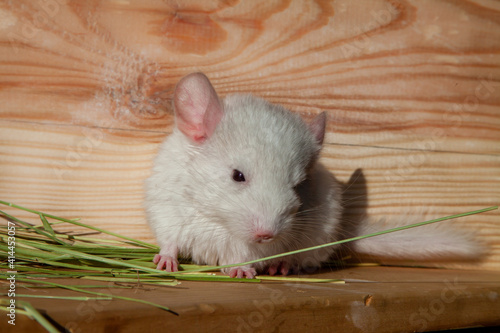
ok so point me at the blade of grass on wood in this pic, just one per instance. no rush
(73, 288)
(134, 241)
(38, 317)
(46, 225)
(70, 298)
(76, 254)
(29, 226)
(353, 239)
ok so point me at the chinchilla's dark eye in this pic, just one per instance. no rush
(238, 176)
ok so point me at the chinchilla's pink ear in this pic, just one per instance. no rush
(317, 127)
(197, 107)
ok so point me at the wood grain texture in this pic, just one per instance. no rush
(374, 299)
(411, 88)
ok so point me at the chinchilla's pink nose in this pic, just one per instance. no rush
(263, 236)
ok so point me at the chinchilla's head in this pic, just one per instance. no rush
(248, 158)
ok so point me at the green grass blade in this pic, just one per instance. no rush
(18, 311)
(297, 279)
(70, 298)
(29, 226)
(80, 255)
(38, 317)
(351, 239)
(134, 241)
(141, 280)
(96, 293)
(46, 225)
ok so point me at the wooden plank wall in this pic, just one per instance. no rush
(412, 91)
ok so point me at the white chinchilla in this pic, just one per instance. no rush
(238, 179)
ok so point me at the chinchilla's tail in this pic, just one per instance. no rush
(435, 243)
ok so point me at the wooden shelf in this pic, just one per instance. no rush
(373, 299)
